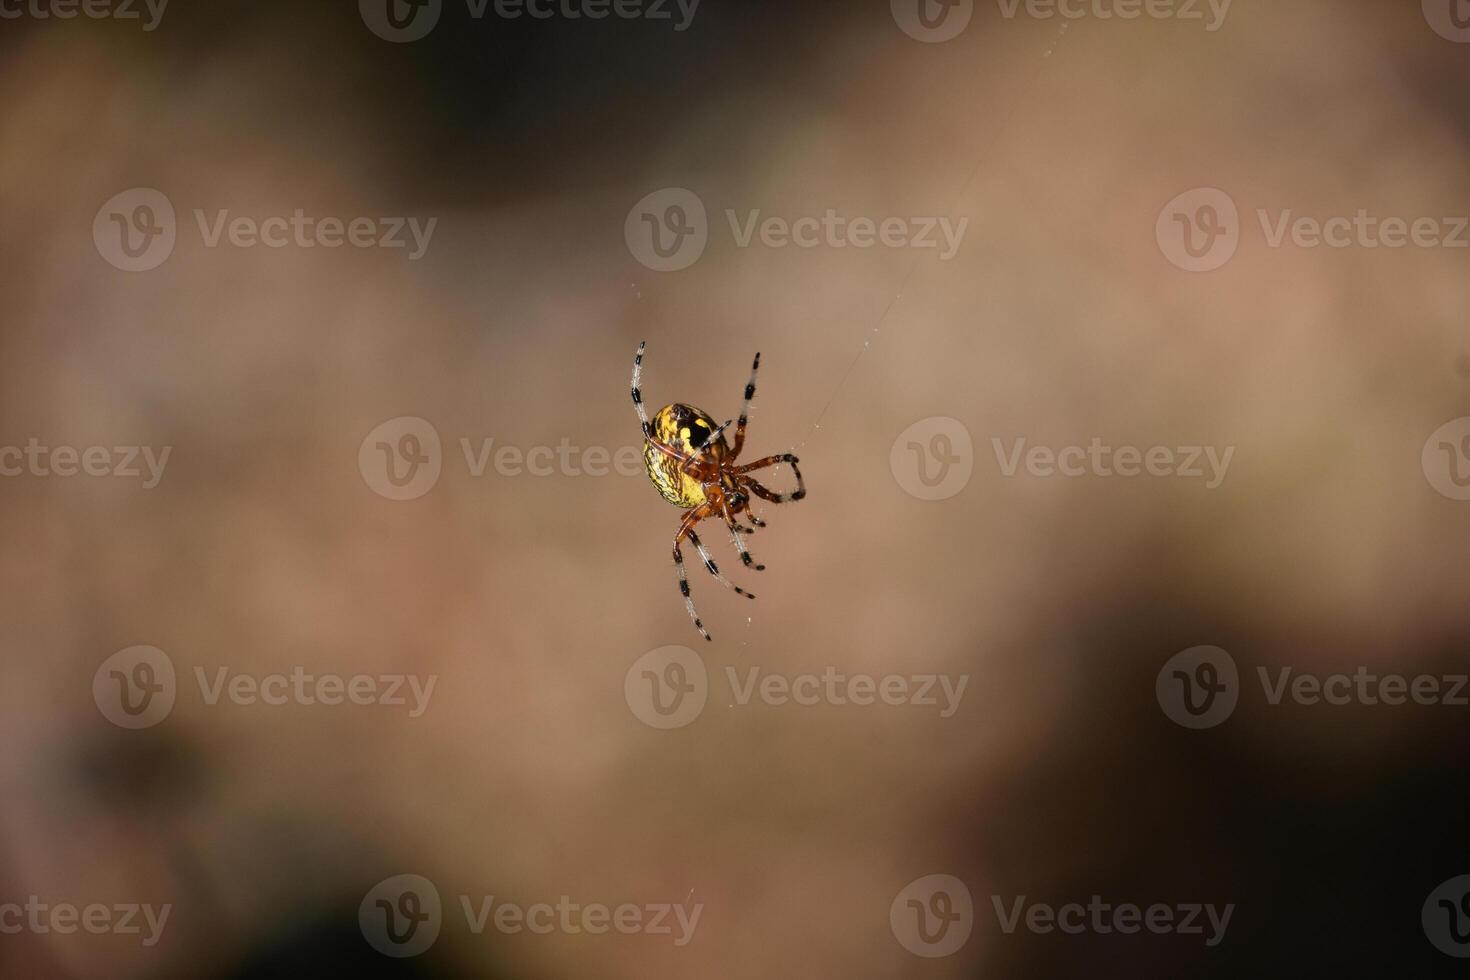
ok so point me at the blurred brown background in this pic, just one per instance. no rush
(263, 548)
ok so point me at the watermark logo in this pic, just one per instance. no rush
(64, 918)
(1198, 687)
(543, 460)
(401, 916)
(942, 691)
(666, 688)
(932, 21)
(135, 230)
(1446, 917)
(36, 459)
(400, 21)
(1362, 230)
(1199, 230)
(401, 458)
(575, 918)
(300, 687)
(95, 9)
(135, 687)
(1450, 19)
(1104, 918)
(933, 458)
(833, 230)
(1446, 459)
(1181, 10)
(302, 230)
(678, 12)
(1363, 687)
(1206, 463)
(933, 916)
(667, 230)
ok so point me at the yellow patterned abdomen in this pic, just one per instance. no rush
(685, 430)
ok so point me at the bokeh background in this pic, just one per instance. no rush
(263, 548)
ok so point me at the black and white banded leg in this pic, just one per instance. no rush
(686, 527)
(703, 450)
(712, 568)
(745, 407)
(638, 390)
(673, 454)
(740, 547)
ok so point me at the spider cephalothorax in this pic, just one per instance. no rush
(692, 466)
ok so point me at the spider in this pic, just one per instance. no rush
(691, 466)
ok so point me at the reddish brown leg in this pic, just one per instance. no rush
(760, 491)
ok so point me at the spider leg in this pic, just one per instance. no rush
(715, 436)
(745, 409)
(750, 515)
(638, 389)
(760, 491)
(686, 527)
(735, 530)
(735, 527)
(704, 449)
(648, 438)
(709, 563)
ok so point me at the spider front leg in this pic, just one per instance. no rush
(637, 390)
(713, 439)
(745, 409)
(762, 492)
(637, 387)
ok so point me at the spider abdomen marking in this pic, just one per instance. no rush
(686, 429)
